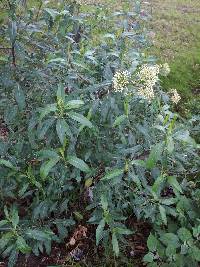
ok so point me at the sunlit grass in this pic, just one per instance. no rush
(177, 27)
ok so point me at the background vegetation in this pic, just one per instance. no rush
(177, 40)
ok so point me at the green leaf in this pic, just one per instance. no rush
(7, 164)
(44, 127)
(80, 118)
(48, 109)
(163, 214)
(99, 231)
(168, 201)
(52, 12)
(170, 251)
(5, 238)
(78, 215)
(8, 250)
(13, 258)
(12, 31)
(138, 162)
(96, 87)
(126, 108)
(14, 217)
(39, 235)
(170, 239)
(62, 128)
(115, 244)
(122, 231)
(158, 182)
(57, 60)
(60, 93)
(104, 202)
(112, 174)
(154, 156)
(184, 234)
(184, 136)
(184, 249)
(89, 182)
(47, 166)
(196, 253)
(20, 98)
(89, 115)
(119, 120)
(73, 104)
(78, 163)
(3, 222)
(22, 246)
(170, 144)
(47, 154)
(174, 183)
(149, 257)
(152, 242)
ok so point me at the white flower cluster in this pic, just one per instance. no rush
(175, 97)
(146, 92)
(121, 80)
(164, 69)
(148, 76)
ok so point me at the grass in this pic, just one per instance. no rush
(176, 24)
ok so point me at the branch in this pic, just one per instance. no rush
(13, 56)
(5, 48)
(37, 15)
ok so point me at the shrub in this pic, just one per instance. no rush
(82, 118)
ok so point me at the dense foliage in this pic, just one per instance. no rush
(85, 136)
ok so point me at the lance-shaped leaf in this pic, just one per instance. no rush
(60, 93)
(62, 129)
(47, 154)
(22, 245)
(175, 184)
(112, 174)
(163, 214)
(7, 164)
(119, 120)
(44, 127)
(12, 31)
(78, 163)
(52, 12)
(154, 156)
(115, 244)
(73, 104)
(48, 109)
(47, 166)
(39, 235)
(20, 98)
(99, 231)
(80, 118)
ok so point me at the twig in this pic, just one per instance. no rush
(5, 48)
(37, 15)
(13, 55)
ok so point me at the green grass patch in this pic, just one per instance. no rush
(177, 42)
